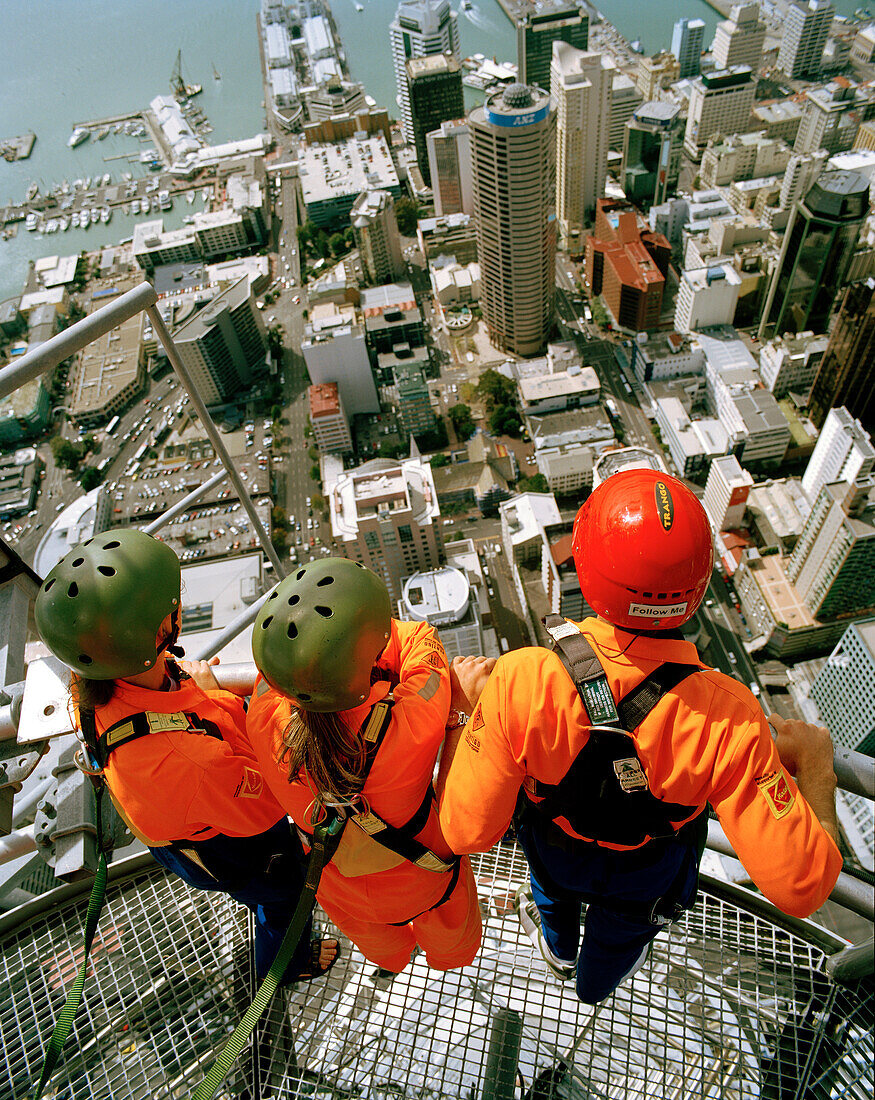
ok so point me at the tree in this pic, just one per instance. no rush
(278, 518)
(90, 478)
(66, 453)
(314, 472)
(275, 337)
(407, 214)
(505, 420)
(462, 420)
(495, 389)
(439, 460)
(317, 503)
(535, 484)
(337, 244)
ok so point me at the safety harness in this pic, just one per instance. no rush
(604, 795)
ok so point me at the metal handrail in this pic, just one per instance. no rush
(184, 504)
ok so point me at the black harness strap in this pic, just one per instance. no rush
(140, 725)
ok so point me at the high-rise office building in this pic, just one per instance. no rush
(580, 86)
(376, 235)
(652, 153)
(656, 73)
(726, 492)
(328, 420)
(739, 39)
(224, 345)
(513, 154)
(538, 26)
(686, 44)
(846, 376)
(434, 85)
(844, 452)
(804, 34)
(625, 101)
(818, 247)
(720, 102)
(831, 117)
(443, 597)
(844, 689)
(420, 28)
(449, 164)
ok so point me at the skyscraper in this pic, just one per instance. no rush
(513, 153)
(686, 44)
(449, 162)
(805, 31)
(538, 27)
(376, 235)
(434, 86)
(720, 102)
(846, 375)
(580, 86)
(818, 246)
(652, 153)
(844, 452)
(420, 28)
(739, 39)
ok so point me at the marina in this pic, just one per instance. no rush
(17, 148)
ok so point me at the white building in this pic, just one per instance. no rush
(743, 157)
(334, 351)
(443, 598)
(720, 102)
(805, 30)
(580, 86)
(726, 492)
(377, 238)
(687, 43)
(739, 39)
(449, 162)
(328, 420)
(625, 101)
(844, 452)
(707, 296)
(692, 444)
(559, 390)
(523, 520)
(420, 28)
(790, 362)
(626, 458)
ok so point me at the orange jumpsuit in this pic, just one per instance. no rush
(368, 907)
(706, 742)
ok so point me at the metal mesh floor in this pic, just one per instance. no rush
(729, 1005)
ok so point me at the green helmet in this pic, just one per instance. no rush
(320, 631)
(100, 607)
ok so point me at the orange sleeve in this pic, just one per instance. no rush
(775, 833)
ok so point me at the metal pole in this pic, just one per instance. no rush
(47, 356)
(182, 505)
(502, 1055)
(239, 677)
(855, 772)
(214, 437)
(19, 843)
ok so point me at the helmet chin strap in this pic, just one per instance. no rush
(169, 642)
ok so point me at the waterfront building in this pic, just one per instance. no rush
(726, 493)
(656, 73)
(328, 419)
(625, 101)
(791, 362)
(847, 372)
(805, 30)
(221, 232)
(831, 117)
(434, 88)
(420, 28)
(333, 175)
(863, 48)
(334, 350)
(720, 102)
(224, 345)
(443, 598)
(151, 247)
(513, 140)
(449, 165)
(335, 97)
(739, 40)
(844, 452)
(376, 235)
(580, 87)
(652, 152)
(818, 247)
(540, 24)
(384, 515)
(707, 296)
(341, 127)
(24, 414)
(687, 41)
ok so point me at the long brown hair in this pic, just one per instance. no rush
(327, 749)
(88, 694)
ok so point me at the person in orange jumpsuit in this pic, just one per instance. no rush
(349, 712)
(619, 820)
(171, 744)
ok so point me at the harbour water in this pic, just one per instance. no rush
(68, 61)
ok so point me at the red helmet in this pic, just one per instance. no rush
(643, 551)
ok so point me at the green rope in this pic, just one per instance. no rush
(64, 1022)
(326, 837)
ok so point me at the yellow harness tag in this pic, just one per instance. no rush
(369, 823)
(164, 723)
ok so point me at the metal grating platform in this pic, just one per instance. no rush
(729, 1006)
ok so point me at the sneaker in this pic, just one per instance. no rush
(639, 962)
(530, 919)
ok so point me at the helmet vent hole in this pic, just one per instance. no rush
(300, 574)
(304, 697)
(324, 581)
(49, 584)
(292, 631)
(77, 561)
(272, 596)
(294, 599)
(325, 612)
(84, 659)
(646, 595)
(111, 545)
(662, 595)
(73, 590)
(267, 622)
(88, 542)
(106, 570)
(675, 595)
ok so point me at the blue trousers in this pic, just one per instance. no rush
(264, 872)
(564, 876)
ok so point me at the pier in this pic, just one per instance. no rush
(112, 120)
(17, 148)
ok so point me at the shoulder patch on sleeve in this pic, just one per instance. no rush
(251, 785)
(430, 686)
(477, 722)
(436, 661)
(776, 791)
